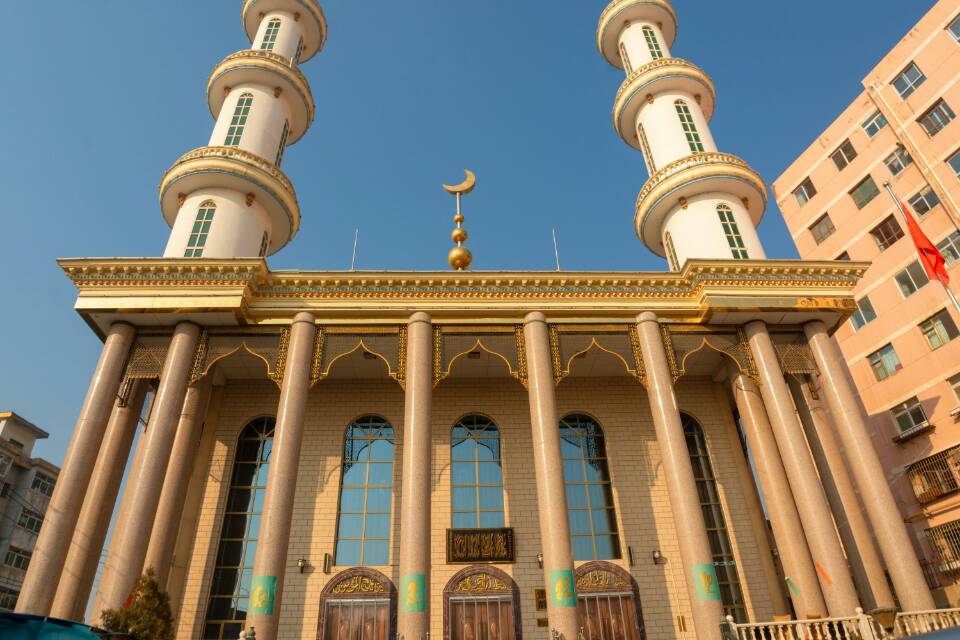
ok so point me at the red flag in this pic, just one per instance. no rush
(930, 257)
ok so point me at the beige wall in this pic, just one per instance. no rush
(925, 372)
(639, 490)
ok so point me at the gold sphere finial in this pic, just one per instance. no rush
(460, 258)
(459, 235)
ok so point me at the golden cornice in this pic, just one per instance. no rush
(314, 9)
(614, 11)
(639, 84)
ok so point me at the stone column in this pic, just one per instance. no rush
(812, 505)
(80, 568)
(691, 530)
(798, 568)
(158, 442)
(166, 525)
(865, 562)
(269, 569)
(548, 467)
(40, 584)
(413, 619)
(887, 522)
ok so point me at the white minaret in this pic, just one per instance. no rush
(230, 199)
(698, 202)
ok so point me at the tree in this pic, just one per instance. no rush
(146, 614)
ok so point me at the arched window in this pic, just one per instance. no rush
(689, 127)
(283, 143)
(476, 474)
(728, 579)
(625, 59)
(481, 603)
(200, 231)
(593, 522)
(239, 121)
(652, 43)
(366, 489)
(230, 593)
(270, 36)
(264, 244)
(732, 232)
(671, 252)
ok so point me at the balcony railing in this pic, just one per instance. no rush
(935, 476)
(857, 627)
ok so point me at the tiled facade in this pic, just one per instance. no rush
(921, 382)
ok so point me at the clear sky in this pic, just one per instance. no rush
(102, 96)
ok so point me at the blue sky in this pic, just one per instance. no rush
(103, 95)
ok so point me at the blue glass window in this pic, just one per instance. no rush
(366, 491)
(229, 595)
(476, 474)
(593, 522)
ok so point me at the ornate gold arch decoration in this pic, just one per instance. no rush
(274, 373)
(360, 346)
(637, 354)
(443, 374)
(594, 345)
(743, 360)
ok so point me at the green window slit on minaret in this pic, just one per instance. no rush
(283, 143)
(652, 43)
(200, 231)
(689, 127)
(239, 121)
(732, 231)
(270, 37)
(625, 59)
(671, 252)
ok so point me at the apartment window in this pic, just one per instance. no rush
(264, 244)
(924, 201)
(671, 252)
(283, 143)
(689, 126)
(864, 314)
(804, 192)
(911, 279)
(18, 558)
(874, 124)
(724, 562)
(30, 520)
(898, 161)
(476, 474)
(5, 462)
(201, 229)
(732, 232)
(823, 228)
(885, 362)
(909, 415)
(954, 383)
(8, 598)
(844, 155)
(625, 59)
(270, 37)
(240, 114)
(887, 232)
(939, 329)
(843, 256)
(950, 248)
(586, 481)
(954, 162)
(934, 120)
(954, 28)
(366, 491)
(908, 80)
(652, 43)
(864, 192)
(240, 531)
(42, 483)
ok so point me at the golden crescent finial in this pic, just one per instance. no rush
(464, 187)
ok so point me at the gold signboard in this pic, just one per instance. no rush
(480, 545)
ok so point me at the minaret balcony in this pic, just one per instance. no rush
(665, 74)
(268, 69)
(694, 175)
(309, 15)
(621, 12)
(237, 170)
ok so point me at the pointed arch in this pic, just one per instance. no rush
(360, 346)
(477, 346)
(595, 346)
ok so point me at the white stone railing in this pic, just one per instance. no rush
(917, 622)
(858, 627)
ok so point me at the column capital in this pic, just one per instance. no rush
(647, 316)
(534, 316)
(813, 328)
(304, 316)
(420, 316)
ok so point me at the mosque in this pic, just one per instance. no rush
(470, 455)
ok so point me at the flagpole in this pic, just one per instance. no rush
(903, 217)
